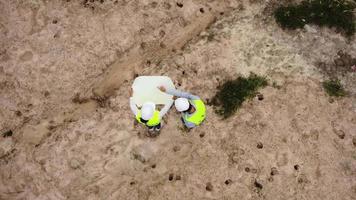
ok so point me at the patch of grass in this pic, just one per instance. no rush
(331, 13)
(233, 93)
(334, 88)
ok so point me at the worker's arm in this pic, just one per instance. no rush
(166, 108)
(181, 94)
(133, 106)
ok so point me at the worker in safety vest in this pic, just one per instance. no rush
(148, 115)
(191, 107)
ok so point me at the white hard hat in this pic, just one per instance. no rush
(181, 104)
(147, 110)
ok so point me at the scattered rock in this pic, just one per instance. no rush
(274, 171)
(296, 167)
(260, 97)
(180, 5)
(46, 93)
(247, 169)
(179, 60)
(166, 5)
(310, 29)
(74, 163)
(209, 187)
(259, 145)
(7, 133)
(153, 166)
(132, 182)
(354, 141)
(176, 148)
(18, 113)
(201, 135)
(201, 10)
(340, 133)
(143, 153)
(54, 21)
(228, 181)
(258, 185)
(170, 177)
(162, 33)
(178, 177)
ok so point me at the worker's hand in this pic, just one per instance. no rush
(162, 88)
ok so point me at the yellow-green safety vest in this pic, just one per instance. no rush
(154, 121)
(199, 115)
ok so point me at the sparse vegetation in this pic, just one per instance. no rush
(334, 88)
(331, 13)
(233, 93)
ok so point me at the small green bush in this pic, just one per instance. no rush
(233, 93)
(331, 13)
(334, 88)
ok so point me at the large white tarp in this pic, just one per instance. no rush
(145, 88)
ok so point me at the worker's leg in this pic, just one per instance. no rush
(158, 127)
(150, 129)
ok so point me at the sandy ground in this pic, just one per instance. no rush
(297, 143)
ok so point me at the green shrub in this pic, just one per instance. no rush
(334, 88)
(331, 13)
(233, 93)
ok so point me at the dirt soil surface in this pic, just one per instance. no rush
(67, 131)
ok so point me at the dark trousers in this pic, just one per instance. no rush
(158, 126)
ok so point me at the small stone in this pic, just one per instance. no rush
(178, 177)
(153, 166)
(354, 141)
(179, 60)
(339, 62)
(260, 97)
(170, 177)
(18, 113)
(209, 186)
(258, 185)
(247, 169)
(228, 181)
(274, 171)
(296, 167)
(46, 93)
(74, 163)
(162, 33)
(259, 145)
(340, 133)
(270, 179)
(132, 182)
(176, 148)
(310, 29)
(7, 133)
(201, 135)
(180, 5)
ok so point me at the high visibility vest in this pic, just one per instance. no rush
(154, 121)
(199, 115)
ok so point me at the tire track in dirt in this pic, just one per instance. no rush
(123, 70)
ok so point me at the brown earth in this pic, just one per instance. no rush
(66, 68)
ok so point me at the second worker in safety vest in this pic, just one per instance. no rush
(191, 106)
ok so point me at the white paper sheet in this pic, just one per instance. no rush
(145, 89)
